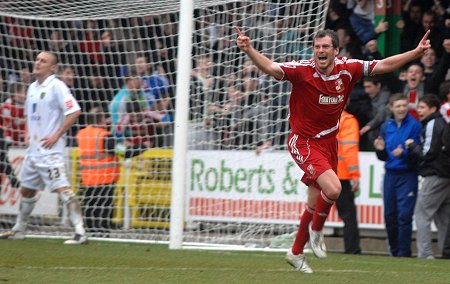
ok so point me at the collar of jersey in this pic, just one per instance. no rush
(48, 80)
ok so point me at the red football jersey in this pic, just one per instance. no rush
(13, 120)
(317, 100)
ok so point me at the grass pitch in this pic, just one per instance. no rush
(49, 261)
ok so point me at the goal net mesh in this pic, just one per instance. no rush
(233, 109)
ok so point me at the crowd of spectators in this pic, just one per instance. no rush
(369, 100)
(230, 107)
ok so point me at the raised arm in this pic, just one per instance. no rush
(262, 62)
(394, 62)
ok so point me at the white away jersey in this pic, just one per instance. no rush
(46, 106)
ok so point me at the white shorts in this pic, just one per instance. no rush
(40, 171)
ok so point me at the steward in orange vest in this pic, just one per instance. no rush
(97, 164)
(100, 171)
(348, 148)
(348, 173)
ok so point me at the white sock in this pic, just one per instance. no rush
(75, 216)
(25, 208)
(74, 208)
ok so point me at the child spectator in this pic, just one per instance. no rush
(400, 180)
(433, 201)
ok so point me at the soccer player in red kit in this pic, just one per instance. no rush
(320, 89)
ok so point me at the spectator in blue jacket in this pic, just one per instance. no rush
(362, 20)
(401, 179)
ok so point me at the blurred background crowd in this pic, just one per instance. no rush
(127, 67)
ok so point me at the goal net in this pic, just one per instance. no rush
(232, 195)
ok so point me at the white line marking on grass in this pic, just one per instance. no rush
(420, 262)
(218, 269)
(118, 268)
(345, 271)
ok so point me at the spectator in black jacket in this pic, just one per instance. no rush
(446, 156)
(412, 21)
(433, 200)
(431, 22)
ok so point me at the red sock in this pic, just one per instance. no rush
(323, 207)
(302, 234)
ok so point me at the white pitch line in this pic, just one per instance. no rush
(118, 268)
(128, 268)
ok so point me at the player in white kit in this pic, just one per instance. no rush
(50, 110)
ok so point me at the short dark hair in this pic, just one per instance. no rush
(416, 63)
(141, 55)
(444, 89)
(354, 50)
(375, 80)
(131, 74)
(332, 34)
(429, 13)
(95, 115)
(431, 100)
(62, 68)
(337, 7)
(397, 97)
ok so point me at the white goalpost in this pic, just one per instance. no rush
(203, 112)
(181, 124)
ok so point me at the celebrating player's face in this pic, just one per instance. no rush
(324, 54)
(45, 65)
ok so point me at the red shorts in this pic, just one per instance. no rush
(314, 156)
